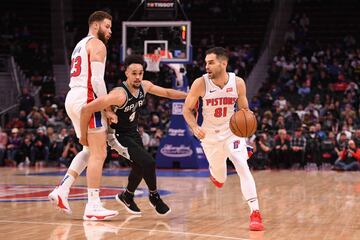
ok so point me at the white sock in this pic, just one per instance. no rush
(93, 195)
(253, 204)
(66, 183)
(247, 183)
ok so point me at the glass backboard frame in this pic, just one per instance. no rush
(127, 24)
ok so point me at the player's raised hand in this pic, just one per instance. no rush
(199, 132)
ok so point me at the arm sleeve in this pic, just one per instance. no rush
(97, 78)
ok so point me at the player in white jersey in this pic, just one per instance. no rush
(220, 91)
(87, 83)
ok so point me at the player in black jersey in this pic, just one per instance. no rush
(127, 100)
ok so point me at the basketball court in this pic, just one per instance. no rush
(294, 205)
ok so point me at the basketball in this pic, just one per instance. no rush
(243, 123)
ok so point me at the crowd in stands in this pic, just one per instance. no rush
(308, 109)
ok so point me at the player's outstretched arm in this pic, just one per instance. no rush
(163, 92)
(242, 101)
(115, 97)
(197, 90)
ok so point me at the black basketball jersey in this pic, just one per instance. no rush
(128, 113)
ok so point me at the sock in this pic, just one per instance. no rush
(93, 195)
(66, 183)
(253, 204)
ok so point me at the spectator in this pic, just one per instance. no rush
(327, 149)
(26, 101)
(25, 152)
(320, 133)
(349, 158)
(280, 123)
(68, 154)
(262, 150)
(145, 137)
(154, 142)
(40, 149)
(282, 148)
(54, 153)
(297, 146)
(12, 147)
(341, 143)
(312, 151)
(155, 124)
(71, 137)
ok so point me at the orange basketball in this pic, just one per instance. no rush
(243, 123)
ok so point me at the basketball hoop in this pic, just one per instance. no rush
(152, 62)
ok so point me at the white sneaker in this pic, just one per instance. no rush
(96, 212)
(60, 200)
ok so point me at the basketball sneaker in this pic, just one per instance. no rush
(256, 221)
(60, 200)
(127, 200)
(160, 207)
(215, 182)
(96, 212)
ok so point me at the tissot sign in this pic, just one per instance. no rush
(159, 4)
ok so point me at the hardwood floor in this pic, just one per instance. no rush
(294, 205)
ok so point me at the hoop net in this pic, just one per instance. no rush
(152, 62)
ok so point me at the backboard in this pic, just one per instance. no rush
(172, 39)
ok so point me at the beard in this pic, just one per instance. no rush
(136, 86)
(101, 36)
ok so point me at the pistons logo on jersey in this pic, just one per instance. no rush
(223, 103)
(236, 144)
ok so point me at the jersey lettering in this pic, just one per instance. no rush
(220, 101)
(220, 112)
(133, 106)
(132, 117)
(75, 66)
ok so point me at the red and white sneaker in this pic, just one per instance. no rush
(215, 182)
(96, 212)
(256, 221)
(60, 200)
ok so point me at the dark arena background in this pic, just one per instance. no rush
(300, 60)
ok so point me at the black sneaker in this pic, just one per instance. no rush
(127, 200)
(157, 203)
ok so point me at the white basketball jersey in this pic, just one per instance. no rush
(218, 103)
(80, 73)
